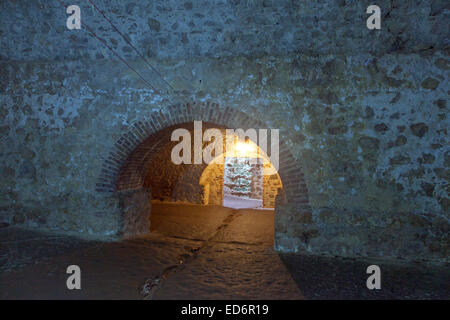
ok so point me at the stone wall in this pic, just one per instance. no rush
(243, 177)
(363, 114)
(135, 210)
(212, 180)
(271, 184)
(171, 182)
(164, 29)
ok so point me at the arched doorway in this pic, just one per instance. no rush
(133, 166)
(242, 177)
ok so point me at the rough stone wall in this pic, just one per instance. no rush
(213, 182)
(135, 207)
(271, 184)
(243, 177)
(171, 182)
(364, 112)
(221, 28)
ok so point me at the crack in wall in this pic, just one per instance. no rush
(152, 285)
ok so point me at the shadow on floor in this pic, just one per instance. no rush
(321, 277)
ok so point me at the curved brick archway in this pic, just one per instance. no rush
(125, 168)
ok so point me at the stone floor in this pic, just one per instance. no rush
(241, 203)
(198, 252)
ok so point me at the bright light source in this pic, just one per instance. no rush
(244, 148)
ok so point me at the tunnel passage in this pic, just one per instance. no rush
(133, 171)
(242, 177)
(197, 184)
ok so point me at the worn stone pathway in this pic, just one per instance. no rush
(197, 252)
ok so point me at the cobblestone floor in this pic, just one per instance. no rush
(230, 257)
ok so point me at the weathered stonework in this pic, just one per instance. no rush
(212, 182)
(134, 215)
(243, 177)
(271, 185)
(362, 114)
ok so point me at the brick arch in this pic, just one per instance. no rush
(124, 167)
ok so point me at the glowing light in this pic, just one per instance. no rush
(244, 147)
